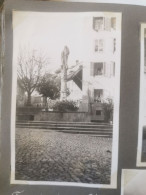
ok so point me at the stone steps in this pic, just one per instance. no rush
(99, 129)
(50, 126)
(60, 123)
(65, 128)
(99, 134)
(63, 122)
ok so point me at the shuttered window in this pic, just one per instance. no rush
(92, 69)
(104, 23)
(97, 69)
(98, 93)
(98, 23)
(99, 45)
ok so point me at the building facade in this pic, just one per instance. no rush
(93, 80)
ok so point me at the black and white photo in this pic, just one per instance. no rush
(66, 94)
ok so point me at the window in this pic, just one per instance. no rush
(97, 68)
(98, 23)
(98, 112)
(103, 69)
(98, 93)
(104, 23)
(99, 45)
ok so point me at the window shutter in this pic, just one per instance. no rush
(92, 69)
(96, 45)
(112, 69)
(104, 68)
(114, 66)
(113, 23)
(94, 23)
(108, 69)
(107, 24)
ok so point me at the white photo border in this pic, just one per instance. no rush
(139, 163)
(115, 142)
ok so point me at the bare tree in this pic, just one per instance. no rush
(30, 68)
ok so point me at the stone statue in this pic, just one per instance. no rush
(64, 67)
(64, 57)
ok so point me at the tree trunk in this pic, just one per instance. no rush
(28, 99)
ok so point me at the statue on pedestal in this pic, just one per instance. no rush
(64, 67)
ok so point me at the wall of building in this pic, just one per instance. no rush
(91, 41)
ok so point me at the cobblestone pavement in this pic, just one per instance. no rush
(43, 155)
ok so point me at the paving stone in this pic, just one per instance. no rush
(54, 156)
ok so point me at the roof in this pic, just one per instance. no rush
(76, 76)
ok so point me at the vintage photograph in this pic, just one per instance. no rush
(133, 182)
(141, 154)
(66, 93)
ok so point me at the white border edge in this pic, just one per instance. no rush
(141, 94)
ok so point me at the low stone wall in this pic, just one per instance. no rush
(26, 110)
(26, 113)
(63, 116)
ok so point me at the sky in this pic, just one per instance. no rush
(49, 33)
